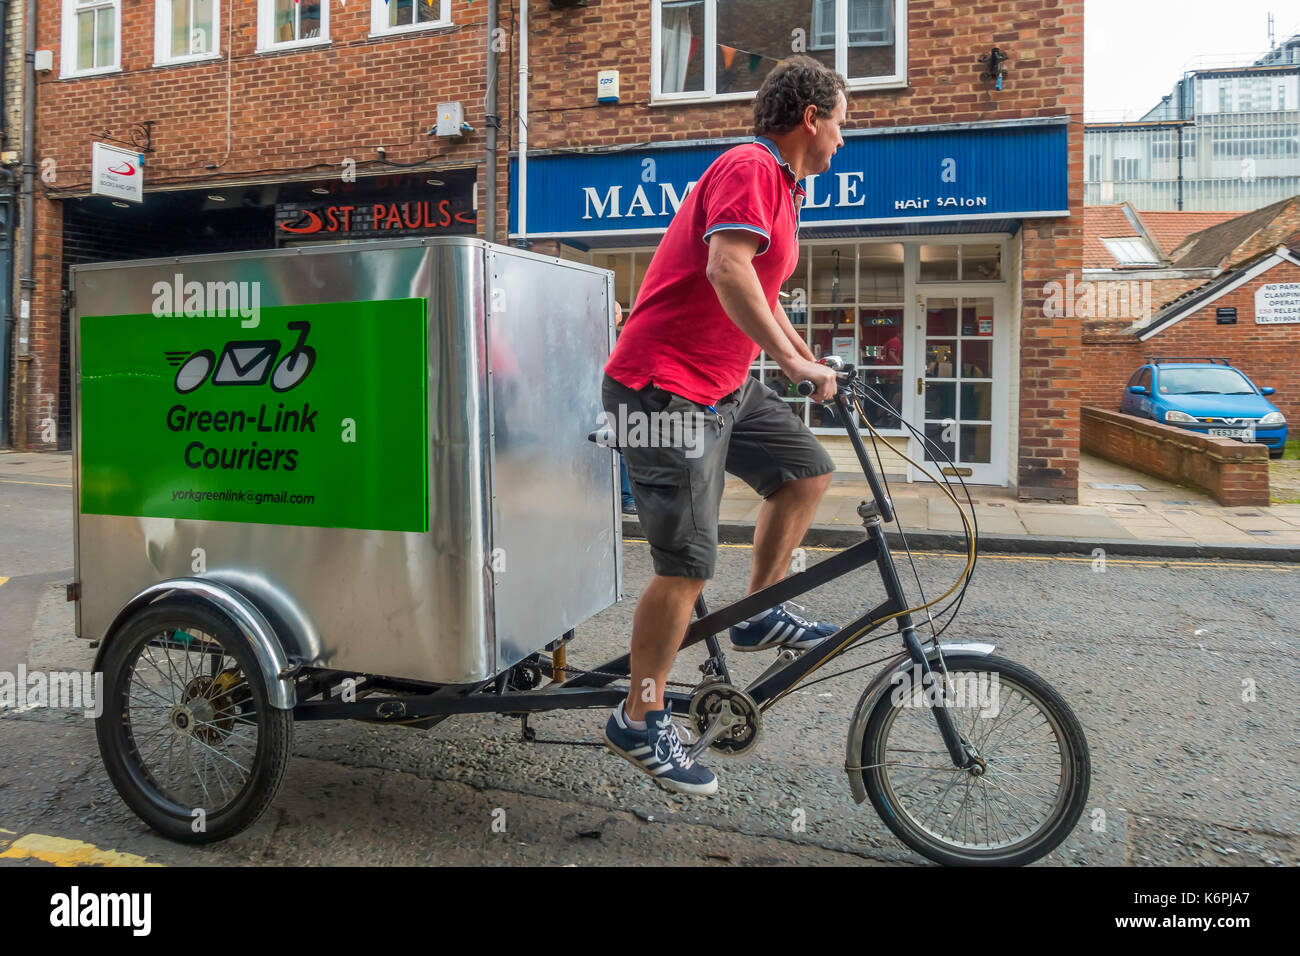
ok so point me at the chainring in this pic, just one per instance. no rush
(734, 706)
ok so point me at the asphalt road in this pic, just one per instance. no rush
(1154, 657)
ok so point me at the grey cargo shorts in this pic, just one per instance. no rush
(677, 452)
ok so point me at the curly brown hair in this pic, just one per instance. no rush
(794, 84)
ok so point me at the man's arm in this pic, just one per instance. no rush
(792, 334)
(731, 272)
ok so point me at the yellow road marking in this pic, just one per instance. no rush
(1135, 562)
(2, 584)
(44, 484)
(64, 852)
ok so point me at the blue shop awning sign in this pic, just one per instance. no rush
(939, 174)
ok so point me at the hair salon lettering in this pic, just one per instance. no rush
(847, 191)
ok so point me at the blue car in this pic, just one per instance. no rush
(1208, 396)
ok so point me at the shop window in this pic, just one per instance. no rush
(834, 274)
(629, 268)
(847, 298)
(725, 48)
(981, 263)
(186, 30)
(404, 16)
(288, 23)
(880, 272)
(620, 264)
(967, 262)
(939, 264)
(91, 29)
(640, 262)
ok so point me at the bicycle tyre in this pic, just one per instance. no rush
(117, 726)
(1074, 774)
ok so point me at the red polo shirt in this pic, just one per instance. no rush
(678, 336)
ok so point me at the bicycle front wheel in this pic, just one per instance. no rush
(1027, 790)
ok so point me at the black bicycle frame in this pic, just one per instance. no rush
(592, 689)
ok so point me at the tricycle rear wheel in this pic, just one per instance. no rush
(187, 734)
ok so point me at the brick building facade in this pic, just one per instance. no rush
(1018, 419)
(11, 144)
(1220, 266)
(1264, 351)
(249, 129)
(250, 136)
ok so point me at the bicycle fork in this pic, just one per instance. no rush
(957, 748)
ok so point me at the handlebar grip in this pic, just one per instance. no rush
(806, 388)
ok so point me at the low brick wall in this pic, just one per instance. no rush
(1233, 472)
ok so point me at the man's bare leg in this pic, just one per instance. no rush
(658, 627)
(782, 522)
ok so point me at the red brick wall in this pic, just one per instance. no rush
(1044, 39)
(305, 110)
(1235, 473)
(293, 113)
(1266, 353)
(291, 110)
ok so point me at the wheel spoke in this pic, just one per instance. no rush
(1019, 792)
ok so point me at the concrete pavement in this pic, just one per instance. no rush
(1120, 510)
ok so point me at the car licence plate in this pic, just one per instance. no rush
(1227, 432)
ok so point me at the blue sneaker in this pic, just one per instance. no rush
(658, 751)
(779, 628)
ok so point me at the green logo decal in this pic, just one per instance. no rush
(191, 418)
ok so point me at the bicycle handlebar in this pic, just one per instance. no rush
(806, 387)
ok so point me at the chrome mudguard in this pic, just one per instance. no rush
(875, 690)
(225, 600)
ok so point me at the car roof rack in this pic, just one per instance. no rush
(1171, 359)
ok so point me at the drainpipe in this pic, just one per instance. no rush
(7, 307)
(4, 42)
(27, 280)
(492, 121)
(1183, 106)
(521, 193)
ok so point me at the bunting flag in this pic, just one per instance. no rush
(728, 54)
(754, 60)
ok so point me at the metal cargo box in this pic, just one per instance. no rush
(382, 446)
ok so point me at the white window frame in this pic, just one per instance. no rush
(266, 29)
(162, 55)
(68, 49)
(379, 20)
(816, 37)
(710, 95)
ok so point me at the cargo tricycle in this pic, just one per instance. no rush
(367, 483)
